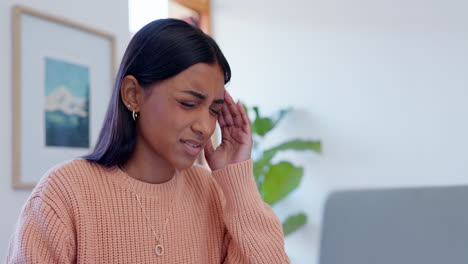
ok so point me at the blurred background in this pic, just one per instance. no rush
(382, 84)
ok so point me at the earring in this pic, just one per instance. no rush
(135, 115)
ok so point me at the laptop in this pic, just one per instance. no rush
(427, 225)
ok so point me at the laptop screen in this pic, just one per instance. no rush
(396, 226)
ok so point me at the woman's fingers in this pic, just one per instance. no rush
(245, 118)
(234, 110)
(225, 110)
(223, 125)
(221, 121)
(209, 148)
(231, 112)
(227, 115)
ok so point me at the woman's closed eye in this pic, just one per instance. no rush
(188, 105)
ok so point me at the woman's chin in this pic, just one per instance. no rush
(184, 164)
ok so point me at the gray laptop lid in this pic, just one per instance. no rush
(396, 226)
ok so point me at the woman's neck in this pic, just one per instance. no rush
(147, 166)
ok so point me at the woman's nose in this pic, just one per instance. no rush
(204, 125)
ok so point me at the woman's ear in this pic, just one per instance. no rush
(131, 93)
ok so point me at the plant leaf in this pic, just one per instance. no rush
(262, 125)
(279, 181)
(260, 166)
(298, 144)
(294, 222)
(257, 112)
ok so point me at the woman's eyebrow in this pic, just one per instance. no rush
(202, 97)
(196, 94)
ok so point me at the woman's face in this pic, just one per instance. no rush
(178, 115)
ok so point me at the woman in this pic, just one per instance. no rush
(137, 198)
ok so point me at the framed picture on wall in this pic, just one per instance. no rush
(62, 81)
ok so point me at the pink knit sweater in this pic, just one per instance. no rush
(81, 212)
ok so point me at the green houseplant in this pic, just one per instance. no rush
(276, 180)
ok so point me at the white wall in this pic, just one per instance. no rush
(384, 85)
(106, 15)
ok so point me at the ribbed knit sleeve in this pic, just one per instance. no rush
(40, 236)
(254, 233)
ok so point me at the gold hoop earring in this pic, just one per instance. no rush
(135, 115)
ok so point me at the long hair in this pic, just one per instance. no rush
(158, 51)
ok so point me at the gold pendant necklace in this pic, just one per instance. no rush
(159, 248)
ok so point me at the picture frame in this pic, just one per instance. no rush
(62, 77)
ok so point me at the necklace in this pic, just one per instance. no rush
(159, 248)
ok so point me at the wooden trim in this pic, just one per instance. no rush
(24, 10)
(201, 6)
(19, 10)
(16, 102)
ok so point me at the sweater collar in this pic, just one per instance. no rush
(144, 188)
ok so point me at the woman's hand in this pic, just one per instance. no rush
(236, 131)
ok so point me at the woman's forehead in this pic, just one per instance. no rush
(203, 79)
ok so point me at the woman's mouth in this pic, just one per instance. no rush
(191, 147)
